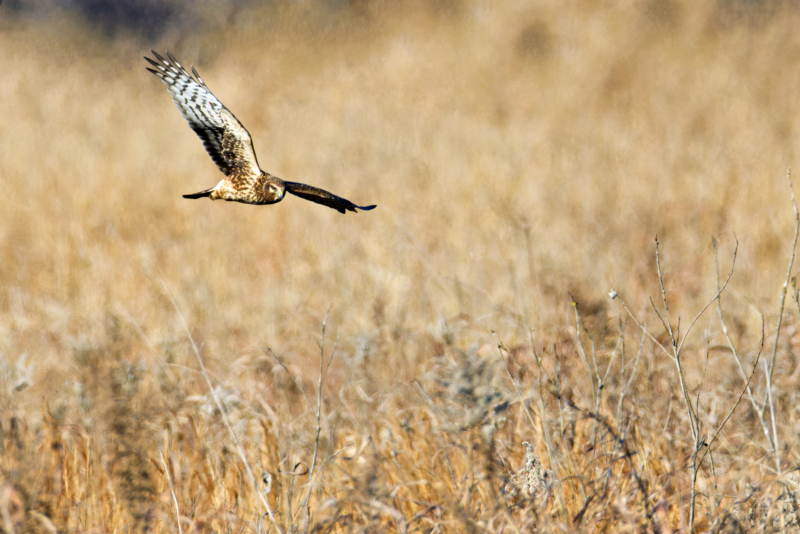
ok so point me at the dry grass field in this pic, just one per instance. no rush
(169, 365)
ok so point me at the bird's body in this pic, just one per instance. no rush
(241, 187)
(230, 146)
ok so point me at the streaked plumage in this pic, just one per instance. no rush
(230, 146)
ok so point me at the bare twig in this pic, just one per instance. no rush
(224, 415)
(759, 412)
(664, 297)
(630, 379)
(676, 353)
(677, 347)
(738, 399)
(780, 322)
(710, 302)
(699, 444)
(643, 328)
(323, 371)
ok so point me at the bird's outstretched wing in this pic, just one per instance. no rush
(320, 196)
(224, 138)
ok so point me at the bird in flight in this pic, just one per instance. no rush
(230, 146)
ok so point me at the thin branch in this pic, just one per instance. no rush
(630, 379)
(643, 329)
(677, 347)
(224, 415)
(788, 274)
(664, 297)
(710, 302)
(759, 412)
(676, 351)
(667, 328)
(780, 322)
(323, 371)
(738, 399)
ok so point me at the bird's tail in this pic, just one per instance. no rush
(201, 194)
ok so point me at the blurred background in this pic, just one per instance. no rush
(519, 155)
(523, 156)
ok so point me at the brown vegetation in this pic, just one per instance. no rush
(164, 365)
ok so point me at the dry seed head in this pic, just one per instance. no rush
(530, 480)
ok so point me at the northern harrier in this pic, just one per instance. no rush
(230, 146)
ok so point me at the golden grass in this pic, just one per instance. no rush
(521, 157)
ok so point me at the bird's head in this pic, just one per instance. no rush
(273, 191)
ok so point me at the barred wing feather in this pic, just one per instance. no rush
(223, 136)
